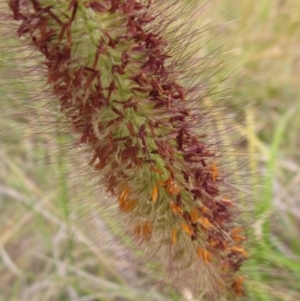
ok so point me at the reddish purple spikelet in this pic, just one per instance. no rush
(127, 103)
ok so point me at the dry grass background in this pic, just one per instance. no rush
(52, 245)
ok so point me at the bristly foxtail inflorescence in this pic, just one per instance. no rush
(118, 70)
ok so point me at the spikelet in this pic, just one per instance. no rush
(119, 74)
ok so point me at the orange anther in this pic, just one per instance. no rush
(218, 244)
(237, 286)
(187, 228)
(240, 279)
(124, 195)
(237, 230)
(205, 222)
(235, 234)
(194, 215)
(214, 172)
(174, 236)
(127, 205)
(227, 202)
(238, 238)
(144, 230)
(204, 209)
(204, 255)
(154, 193)
(239, 250)
(171, 187)
(176, 209)
(147, 230)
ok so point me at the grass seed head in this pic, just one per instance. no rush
(124, 80)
